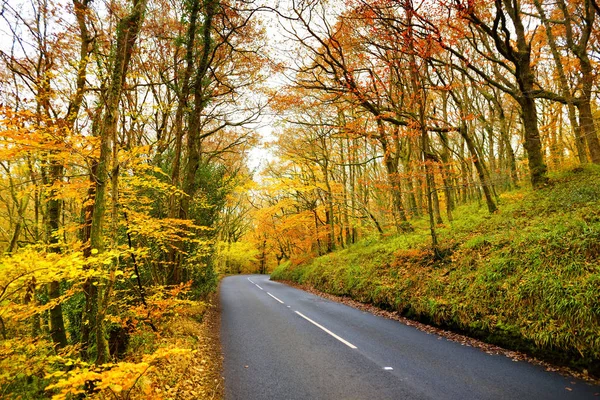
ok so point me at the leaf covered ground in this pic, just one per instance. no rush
(196, 375)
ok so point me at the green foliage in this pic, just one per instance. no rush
(212, 183)
(526, 277)
(204, 282)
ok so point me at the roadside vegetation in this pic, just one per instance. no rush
(176, 357)
(526, 277)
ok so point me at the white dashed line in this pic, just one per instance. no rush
(275, 298)
(347, 343)
(388, 368)
(259, 287)
(251, 281)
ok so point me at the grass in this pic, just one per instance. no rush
(526, 277)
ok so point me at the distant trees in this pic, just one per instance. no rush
(450, 101)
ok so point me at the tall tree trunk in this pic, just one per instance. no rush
(436, 198)
(353, 176)
(200, 98)
(329, 216)
(57, 324)
(513, 42)
(182, 104)
(126, 36)
(532, 142)
(564, 84)
(317, 233)
(580, 49)
(483, 178)
(414, 208)
(526, 81)
(53, 212)
(429, 188)
(194, 134)
(445, 164)
(588, 128)
(510, 154)
(347, 240)
(391, 161)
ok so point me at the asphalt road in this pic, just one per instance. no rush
(283, 343)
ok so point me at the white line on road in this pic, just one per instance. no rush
(347, 343)
(388, 368)
(251, 281)
(259, 287)
(275, 298)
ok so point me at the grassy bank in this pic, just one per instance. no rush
(527, 277)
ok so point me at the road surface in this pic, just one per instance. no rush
(283, 343)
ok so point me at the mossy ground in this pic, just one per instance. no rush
(526, 277)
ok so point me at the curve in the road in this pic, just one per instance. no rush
(283, 343)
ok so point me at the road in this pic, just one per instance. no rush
(283, 343)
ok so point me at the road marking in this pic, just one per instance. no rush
(388, 368)
(251, 281)
(259, 287)
(275, 298)
(347, 343)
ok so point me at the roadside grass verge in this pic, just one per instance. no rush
(526, 278)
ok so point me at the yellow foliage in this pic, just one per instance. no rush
(237, 257)
(118, 379)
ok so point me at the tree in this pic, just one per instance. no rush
(506, 30)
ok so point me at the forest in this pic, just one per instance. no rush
(438, 158)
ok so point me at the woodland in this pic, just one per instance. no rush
(436, 158)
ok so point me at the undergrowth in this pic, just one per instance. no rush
(526, 277)
(178, 359)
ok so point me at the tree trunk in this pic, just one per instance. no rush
(480, 170)
(436, 198)
(510, 154)
(329, 212)
(526, 81)
(53, 211)
(429, 187)
(57, 324)
(414, 208)
(391, 161)
(580, 49)
(445, 164)
(533, 143)
(564, 85)
(588, 129)
(127, 31)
